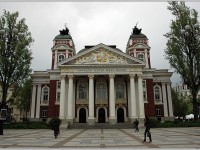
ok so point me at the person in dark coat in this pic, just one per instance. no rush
(136, 123)
(147, 129)
(56, 128)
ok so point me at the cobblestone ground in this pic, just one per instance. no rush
(101, 138)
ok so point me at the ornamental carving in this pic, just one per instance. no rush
(101, 56)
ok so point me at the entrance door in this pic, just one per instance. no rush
(102, 116)
(82, 115)
(120, 115)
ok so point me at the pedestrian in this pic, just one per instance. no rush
(56, 127)
(147, 129)
(136, 123)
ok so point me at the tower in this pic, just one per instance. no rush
(63, 47)
(138, 47)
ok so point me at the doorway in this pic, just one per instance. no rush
(120, 115)
(82, 115)
(102, 116)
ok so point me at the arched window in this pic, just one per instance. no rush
(45, 94)
(141, 57)
(82, 91)
(61, 57)
(120, 90)
(101, 91)
(157, 93)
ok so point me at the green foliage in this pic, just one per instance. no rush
(181, 104)
(15, 53)
(183, 51)
(27, 125)
(178, 124)
(153, 122)
(54, 119)
(22, 97)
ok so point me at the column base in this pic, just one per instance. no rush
(64, 124)
(91, 120)
(112, 120)
(70, 120)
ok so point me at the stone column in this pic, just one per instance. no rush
(55, 59)
(62, 98)
(164, 100)
(70, 99)
(146, 58)
(91, 118)
(33, 102)
(140, 98)
(38, 101)
(132, 96)
(112, 117)
(170, 100)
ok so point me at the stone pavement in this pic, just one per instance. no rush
(101, 138)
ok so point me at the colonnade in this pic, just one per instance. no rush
(112, 113)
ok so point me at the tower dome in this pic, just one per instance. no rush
(63, 47)
(138, 47)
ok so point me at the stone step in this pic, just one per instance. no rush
(101, 126)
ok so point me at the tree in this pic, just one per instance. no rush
(181, 104)
(15, 54)
(183, 50)
(22, 96)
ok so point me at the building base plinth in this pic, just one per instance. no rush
(112, 120)
(91, 120)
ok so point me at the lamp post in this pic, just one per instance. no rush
(191, 41)
(9, 38)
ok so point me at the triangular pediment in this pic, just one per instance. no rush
(101, 54)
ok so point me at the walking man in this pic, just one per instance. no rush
(147, 129)
(136, 123)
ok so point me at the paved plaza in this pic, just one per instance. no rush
(101, 138)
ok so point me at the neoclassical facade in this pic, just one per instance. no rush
(101, 83)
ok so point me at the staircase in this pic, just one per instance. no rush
(126, 125)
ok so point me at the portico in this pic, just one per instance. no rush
(100, 92)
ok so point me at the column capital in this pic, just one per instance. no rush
(131, 75)
(62, 77)
(91, 76)
(111, 75)
(70, 76)
(139, 75)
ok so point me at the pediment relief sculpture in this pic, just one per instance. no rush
(101, 56)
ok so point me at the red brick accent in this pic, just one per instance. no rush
(150, 106)
(53, 110)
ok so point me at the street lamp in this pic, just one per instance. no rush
(9, 38)
(192, 31)
(191, 37)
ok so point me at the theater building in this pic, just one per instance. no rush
(101, 83)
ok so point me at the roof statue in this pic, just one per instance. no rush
(64, 31)
(136, 30)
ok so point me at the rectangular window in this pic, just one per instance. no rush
(144, 95)
(3, 113)
(58, 96)
(144, 83)
(58, 84)
(158, 112)
(44, 113)
(120, 90)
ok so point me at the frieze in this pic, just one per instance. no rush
(100, 70)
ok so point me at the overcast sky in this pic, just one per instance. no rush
(91, 23)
